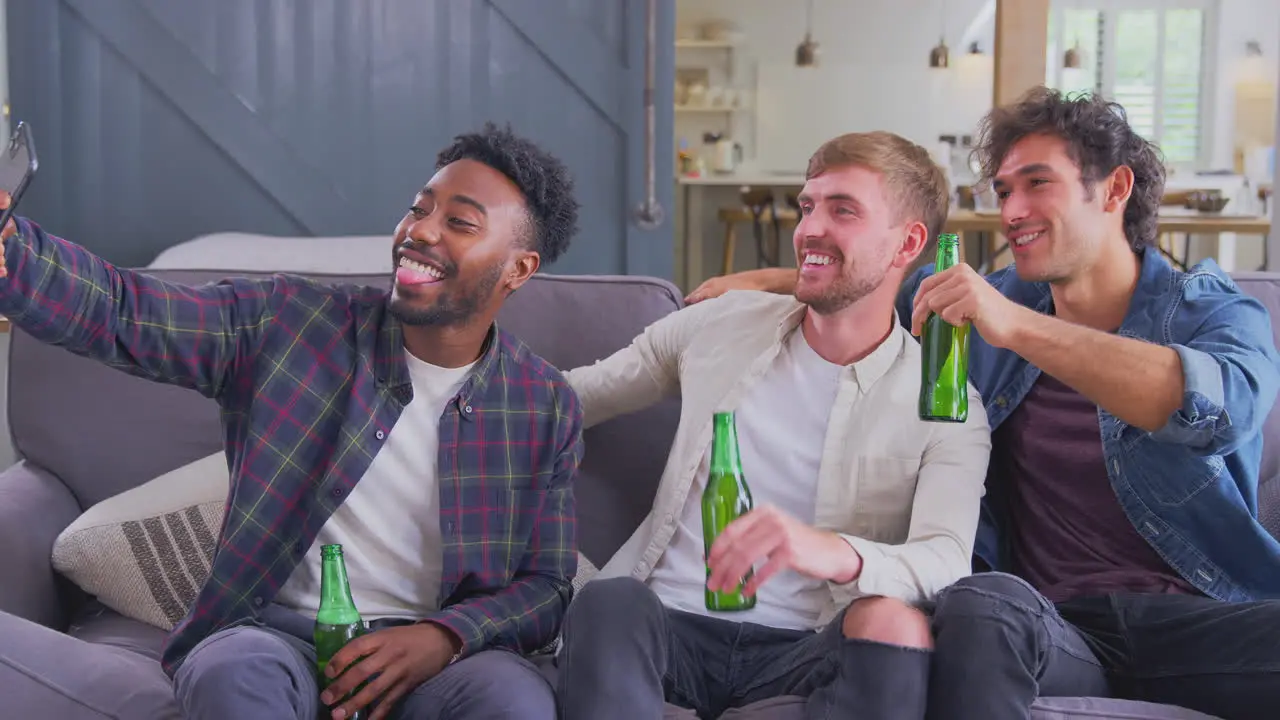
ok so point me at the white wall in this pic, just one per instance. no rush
(884, 35)
(1240, 21)
(891, 33)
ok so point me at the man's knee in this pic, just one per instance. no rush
(603, 603)
(987, 595)
(889, 621)
(233, 658)
(493, 685)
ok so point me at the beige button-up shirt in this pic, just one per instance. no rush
(903, 492)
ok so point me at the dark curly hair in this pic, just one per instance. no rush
(1099, 139)
(542, 178)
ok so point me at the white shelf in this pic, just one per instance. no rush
(707, 109)
(705, 44)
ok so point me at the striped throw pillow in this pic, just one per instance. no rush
(146, 552)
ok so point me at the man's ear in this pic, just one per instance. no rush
(914, 243)
(525, 264)
(1118, 187)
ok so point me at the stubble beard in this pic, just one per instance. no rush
(448, 310)
(846, 290)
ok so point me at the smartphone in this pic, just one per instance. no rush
(17, 166)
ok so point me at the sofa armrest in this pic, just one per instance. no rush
(35, 506)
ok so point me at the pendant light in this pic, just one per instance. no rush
(1072, 57)
(807, 50)
(940, 56)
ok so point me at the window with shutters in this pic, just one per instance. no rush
(1151, 56)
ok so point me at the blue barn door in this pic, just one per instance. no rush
(160, 120)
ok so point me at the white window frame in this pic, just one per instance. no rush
(1208, 60)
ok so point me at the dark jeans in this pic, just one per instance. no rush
(624, 654)
(999, 644)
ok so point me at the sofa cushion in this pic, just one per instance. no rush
(48, 674)
(147, 551)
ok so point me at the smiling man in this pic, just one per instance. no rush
(863, 511)
(1127, 401)
(435, 447)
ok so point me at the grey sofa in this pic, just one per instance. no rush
(86, 433)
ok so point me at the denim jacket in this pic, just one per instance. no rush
(1190, 488)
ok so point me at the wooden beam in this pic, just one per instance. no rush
(1022, 39)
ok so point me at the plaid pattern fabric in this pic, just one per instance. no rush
(310, 379)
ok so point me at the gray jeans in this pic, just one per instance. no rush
(625, 654)
(1000, 644)
(267, 670)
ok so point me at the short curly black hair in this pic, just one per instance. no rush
(1099, 139)
(542, 178)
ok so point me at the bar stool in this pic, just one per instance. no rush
(758, 207)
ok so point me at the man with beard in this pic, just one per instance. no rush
(863, 511)
(432, 445)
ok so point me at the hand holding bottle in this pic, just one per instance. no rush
(781, 542)
(402, 657)
(959, 295)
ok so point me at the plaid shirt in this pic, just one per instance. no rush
(310, 379)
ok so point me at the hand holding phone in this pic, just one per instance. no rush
(17, 166)
(10, 229)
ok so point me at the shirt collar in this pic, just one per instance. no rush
(392, 371)
(870, 368)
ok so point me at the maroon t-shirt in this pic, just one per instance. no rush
(1070, 537)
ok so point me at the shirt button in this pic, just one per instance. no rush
(467, 409)
(337, 492)
(380, 435)
(258, 601)
(1001, 401)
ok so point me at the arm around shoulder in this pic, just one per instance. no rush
(642, 373)
(938, 549)
(1230, 367)
(190, 336)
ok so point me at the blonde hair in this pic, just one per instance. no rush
(916, 185)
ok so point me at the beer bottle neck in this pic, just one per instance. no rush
(336, 604)
(948, 254)
(724, 446)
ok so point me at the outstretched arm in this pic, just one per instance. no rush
(642, 373)
(1211, 391)
(63, 295)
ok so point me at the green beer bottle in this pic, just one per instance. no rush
(944, 354)
(337, 621)
(725, 499)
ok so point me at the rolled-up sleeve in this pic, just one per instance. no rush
(1230, 368)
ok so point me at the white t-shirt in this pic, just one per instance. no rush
(781, 423)
(389, 526)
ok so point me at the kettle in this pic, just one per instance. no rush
(726, 154)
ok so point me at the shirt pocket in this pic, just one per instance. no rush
(886, 491)
(510, 515)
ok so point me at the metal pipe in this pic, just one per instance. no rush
(649, 213)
